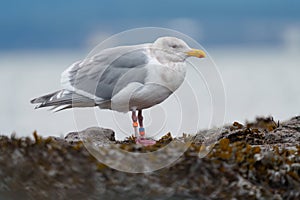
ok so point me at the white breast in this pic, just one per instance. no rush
(170, 76)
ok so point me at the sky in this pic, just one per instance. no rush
(34, 24)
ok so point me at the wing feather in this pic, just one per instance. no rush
(106, 73)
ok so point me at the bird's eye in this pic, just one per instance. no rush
(174, 46)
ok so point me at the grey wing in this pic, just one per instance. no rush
(108, 72)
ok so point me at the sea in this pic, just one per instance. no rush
(233, 84)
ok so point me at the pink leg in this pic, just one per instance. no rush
(141, 139)
(141, 129)
(134, 123)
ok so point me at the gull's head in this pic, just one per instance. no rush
(172, 49)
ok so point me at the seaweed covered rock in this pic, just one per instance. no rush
(265, 132)
(44, 168)
(257, 160)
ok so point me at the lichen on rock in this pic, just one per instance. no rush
(255, 160)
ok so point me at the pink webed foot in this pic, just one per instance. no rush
(144, 141)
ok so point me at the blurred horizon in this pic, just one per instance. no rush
(79, 24)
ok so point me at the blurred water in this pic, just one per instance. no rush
(258, 81)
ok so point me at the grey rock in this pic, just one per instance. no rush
(100, 136)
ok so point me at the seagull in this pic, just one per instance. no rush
(124, 79)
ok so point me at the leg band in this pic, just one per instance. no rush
(135, 124)
(142, 131)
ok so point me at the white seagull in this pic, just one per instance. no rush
(124, 78)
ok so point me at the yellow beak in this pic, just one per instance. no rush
(196, 53)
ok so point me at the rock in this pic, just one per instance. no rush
(265, 132)
(257, 160)
(287, 133)
(100, 136)
(44, 169)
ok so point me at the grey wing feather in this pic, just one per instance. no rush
(108, 72)
(115, 79)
